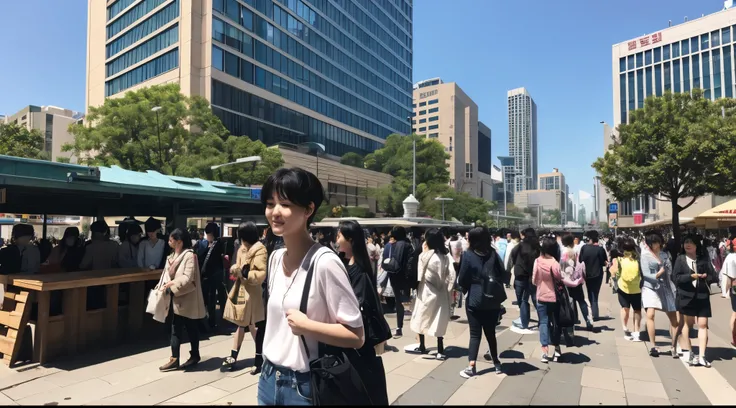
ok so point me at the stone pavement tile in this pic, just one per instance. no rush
(247, 396)
(603, 360)
(393, 360)
(515, 390)
(11, 376)
(714, 386)
(76, 394)
(476, 390)
(680, 386)
(428, 391)
(634, 399)
(137, 376)
(417, 368)
(644, 388)
(66, 378)
(638, 373)
(203, 395)
(397, 385)
(33, 387)
(639, 352)
(168, 387)
(5, 400)
(597, 396)
(622, 342)
(235, 384)
(637, 362)
(601, 378)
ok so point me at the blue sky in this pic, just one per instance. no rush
(560, 51)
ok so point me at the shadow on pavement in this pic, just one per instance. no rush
(211, 364)
(583, 341)
(511, 354)
(721, 353)
(518, 368)
(574, 358)
(456, 352)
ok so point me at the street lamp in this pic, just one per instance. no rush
(249, 159)
(158, 133)
(443, 199)
(320, 150)
(414, 160)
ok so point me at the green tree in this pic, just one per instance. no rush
(670, 150)
(18, 141)
(553, 217)
(352, 159)
(182, 138)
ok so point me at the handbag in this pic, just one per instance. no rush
(234, 312)
(568, 311)
(390, 264)
(333, 378)
(159, 301)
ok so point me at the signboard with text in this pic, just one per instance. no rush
(645, 41)
(613, 220)
(613, 208)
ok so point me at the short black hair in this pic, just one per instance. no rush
(568, 240)
(654, 237)
(436, 241)
(629, 245)
(297, 185)
(99, 227)
(593, 235)
(398, 233)
(529, 232)
(212, 228)
(181, 234)
(248, 232)
(133, 229)
(549, 247)
(515, 234)
(479, 239)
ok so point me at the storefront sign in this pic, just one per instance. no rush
(613, 208)
(427, 94)
(613, 220)
(645, 41)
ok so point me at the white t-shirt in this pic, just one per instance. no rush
(150, 255)
(331, 300)
(729, 266)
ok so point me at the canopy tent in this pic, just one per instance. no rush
(717, 217)
(662, 223)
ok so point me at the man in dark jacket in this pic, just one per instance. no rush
(401, 251)
(211, 265)
(522, 257)
(596, 260)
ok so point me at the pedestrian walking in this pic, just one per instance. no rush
(522, 257)
(595, 259)
(573, 276)
(398, 265)
(628, 277)
(545, 273)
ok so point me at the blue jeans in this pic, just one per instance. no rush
(549, 329)
(282, 386)
(524, 289)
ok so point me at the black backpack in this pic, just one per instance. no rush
(494, 292)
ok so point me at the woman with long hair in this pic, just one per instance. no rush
(545, 275)
(694, 273)
(658, 290)
(128, 251)
(333, 317)
(399, 253)
(181, 274)
(628, 277)
(351, 242)
(436, 277)
(68, 254)
(483, 312)
(250, 271)
(574, 281)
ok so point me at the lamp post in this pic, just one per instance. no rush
(249, 159)
(158, 134)
(320, 150)
(414, 160)
(443, 199)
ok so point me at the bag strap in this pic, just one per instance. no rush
(207, 258)
(305, 292)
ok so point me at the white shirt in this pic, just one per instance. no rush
(729, 266)
(149, 255)
(331, 300)
(509, 248)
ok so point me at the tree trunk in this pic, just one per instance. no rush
(676, 223)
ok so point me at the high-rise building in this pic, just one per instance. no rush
(334, 72)
(508, 174)
(523, 138)
(485, 178)
(695, 54)
(52, 122)
(552, 181)
(444, 112)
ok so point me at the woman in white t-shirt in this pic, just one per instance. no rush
(292, 197)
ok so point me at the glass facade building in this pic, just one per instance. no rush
(347, 60)
(523, 138)
(336, 72)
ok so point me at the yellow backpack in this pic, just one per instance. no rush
(628, 270)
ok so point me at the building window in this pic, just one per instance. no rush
(715, 38)
(696, 71)
(657, 80)
(423, 120)
(131, 16)
(433, 101)
(433, 110)
(434, 135)
(727, 83)
(694, 44)
(657, 55)
(622, 64)
(143, 51)
(630, 62)
(706, 75)
(433, 127)
(685, 47)
(648, 57)
(143, 29)
(639, 60)
(422, 104)
(704, 42)
(434, 118)
(686, 74)
(666, 52)
(151, 69)
(648, 73)
(468, 170)
(422, 112)
(726, 36)
(422, 129)
(667, 77)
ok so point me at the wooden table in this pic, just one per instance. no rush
(77, 326)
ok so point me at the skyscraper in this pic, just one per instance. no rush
(333, 72)
(523, 138)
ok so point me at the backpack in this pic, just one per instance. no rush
(492, 286)
(628, 270)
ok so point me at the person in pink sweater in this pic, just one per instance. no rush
(545, 267)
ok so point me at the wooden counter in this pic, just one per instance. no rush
(78, 327)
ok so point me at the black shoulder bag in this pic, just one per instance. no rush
(333, 378)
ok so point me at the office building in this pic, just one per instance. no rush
(444, 112)
(485, 179)
(336, 73)
(497, 180)
(52, 122)
(523, 138)
(694, 54)
(508, 175)
(552, 181)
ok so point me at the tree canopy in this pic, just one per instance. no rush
(675, 149)
(182, 137)
(18, 141)
(352, 159)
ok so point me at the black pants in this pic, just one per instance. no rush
(593, 285)
(401, 296)
(214, 292)
(260, 334)
(482, 322)
(178, 323)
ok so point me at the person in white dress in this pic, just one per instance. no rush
(436, 276)
(729, 271)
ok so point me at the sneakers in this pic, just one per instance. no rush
(193, 361)
(440, 357)
(398, 333)
(172, 365)
(468, 372)
(417, 350)
(497, 368)
(693, 360)
(703, 362)
(545, 358)
(627, 335)
(519, 330)
(589, 326)
(487, 356)
(654, 352)
(635, 337)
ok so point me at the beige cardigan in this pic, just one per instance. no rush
(187, 288)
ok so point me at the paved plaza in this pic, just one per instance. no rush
(604, 369)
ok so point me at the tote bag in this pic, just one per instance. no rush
(158, 300)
